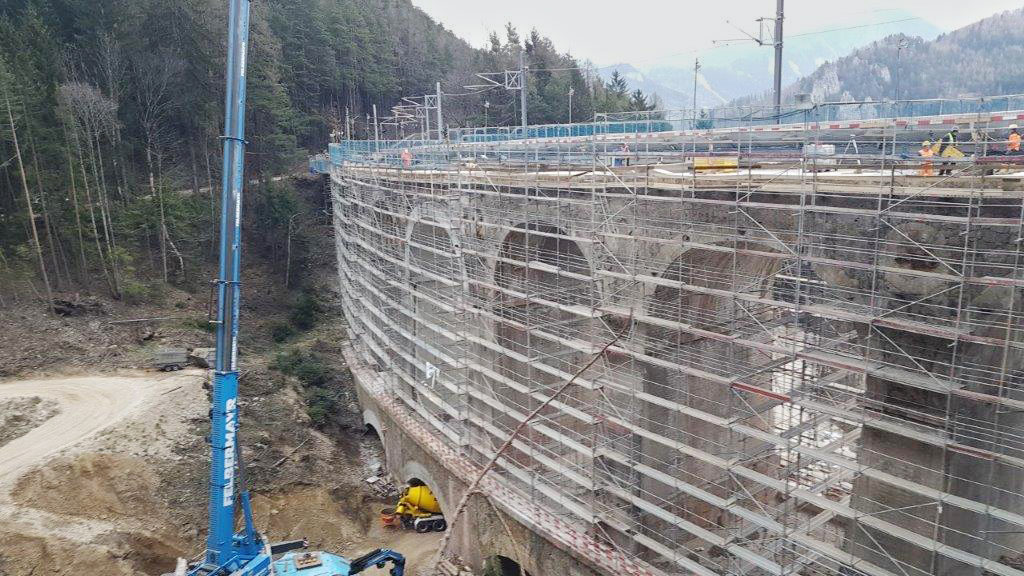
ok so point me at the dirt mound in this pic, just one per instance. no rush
(145, 554)
(23, 555)
(120, 554)
(308, 512)
(91, 485)
(19, 415)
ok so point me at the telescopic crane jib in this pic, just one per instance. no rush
(245, 553)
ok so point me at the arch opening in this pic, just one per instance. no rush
(543, 282)
(691, 369)
(419, 507)
(499, 565)
(433, 273)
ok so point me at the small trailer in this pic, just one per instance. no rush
(170, 359)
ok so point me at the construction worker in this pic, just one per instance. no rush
(1013, 141)
(927, 152)
(406, 158)
(624, 150)
(948, 149)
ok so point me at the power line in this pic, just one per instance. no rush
(855, 27)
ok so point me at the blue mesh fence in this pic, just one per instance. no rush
(424, 154)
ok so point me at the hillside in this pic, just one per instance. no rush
(983, 58)
(118, 106)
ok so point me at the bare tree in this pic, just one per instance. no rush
(28, 196)
(153, 76)
(92, 116)
(111, 72)
(74, 196)
(47, 224)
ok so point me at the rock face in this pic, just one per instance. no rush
(201, 357)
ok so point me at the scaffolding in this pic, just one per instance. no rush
(823, 358)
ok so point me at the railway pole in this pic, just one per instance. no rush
(696, 67)
(376, 131)
(440, 118)
(778, 60)
(522, 89)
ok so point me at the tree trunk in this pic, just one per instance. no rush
(122, 193)
(177, 253)
(50, 228)
(92, 212)
(159, 197)
(164, 236)
(288, 257)
(213, 197)
(108, 228)
(28, 204)
(195, 170)
(74, 200)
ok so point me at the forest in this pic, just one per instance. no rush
(111, 110)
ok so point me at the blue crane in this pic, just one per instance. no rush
(246, 553)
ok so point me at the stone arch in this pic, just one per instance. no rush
(412, 469)
(434, 275)
(539, 272)
(389, 226)
(498, 565)
(371, 420)
(741, 267)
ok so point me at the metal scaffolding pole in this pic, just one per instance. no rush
(818, 356)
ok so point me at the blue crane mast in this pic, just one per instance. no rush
(246, 553)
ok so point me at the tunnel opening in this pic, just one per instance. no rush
(498, 565)
(372, 451)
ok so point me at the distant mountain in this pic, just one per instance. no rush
(669, 98)
(980, 59)
(736, 70)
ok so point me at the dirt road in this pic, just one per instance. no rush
(88, 406)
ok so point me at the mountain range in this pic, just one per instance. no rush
(984, 58)
(735, 70)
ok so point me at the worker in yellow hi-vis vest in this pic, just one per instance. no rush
(948, 149)
(926, 152)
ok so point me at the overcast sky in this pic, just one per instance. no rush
(642, 32)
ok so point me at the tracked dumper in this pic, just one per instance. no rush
(417, 509)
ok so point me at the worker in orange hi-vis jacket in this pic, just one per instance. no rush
(406, 158)
(1013, 141)
(926, 151)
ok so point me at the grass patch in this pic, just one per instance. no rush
(281, 331)
(305, 311)
(324, 404)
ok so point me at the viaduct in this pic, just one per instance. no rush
(806, 357)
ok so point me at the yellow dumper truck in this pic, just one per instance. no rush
(418, 509)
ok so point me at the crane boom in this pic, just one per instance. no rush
(223, 547)
(245, 553)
